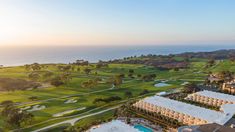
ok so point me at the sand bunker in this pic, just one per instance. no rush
(162, 84)
(185, 83)
(70, 101)
(68, 112)
(37, 108)
(25, 108)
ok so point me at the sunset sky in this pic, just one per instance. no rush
(116, 22)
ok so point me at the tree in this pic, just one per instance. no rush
(6, 102)
(131, 71)
(27, 67)
(57, 81)
(70, 129)
(78, 69)
(34, 76)
(64, 68)
(232, 57)
(67, 68)
(90, 83)
(149, 77)
(107, 100)
(128, 94)
(139, 75)
(145, 91)
(210, 63)
(190, 88)
(82, 62)
(48, 74)
(97, 79)
(226, 76)
(130, 75)
(117, 80)
(73, 68)
(122, 75)
(35, 67)
(101, 64)
(14, 117)
(65, 77)
(87, 71)
(33, 98)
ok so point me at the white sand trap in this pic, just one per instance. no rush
(113, 86)
(67, 112)
(25, 108)
(163, 81)
(161, 93)
(70, 101)
(161, 84)
(102, 81)
(185, 83)
(37, 108)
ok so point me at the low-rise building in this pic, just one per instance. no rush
(211, 98)
(183, 112)
(206, 128)
(229, 87)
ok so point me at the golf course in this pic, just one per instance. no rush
(88, 93)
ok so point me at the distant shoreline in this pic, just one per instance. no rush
(44, 55)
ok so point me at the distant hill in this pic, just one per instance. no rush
(219, 54)
(176, 61)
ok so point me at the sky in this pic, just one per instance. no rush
(116, 22)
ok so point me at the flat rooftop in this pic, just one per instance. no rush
(209, 115)
(114, 126)
(206, 128)
(217, 95)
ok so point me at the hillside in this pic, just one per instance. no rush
(176, 61)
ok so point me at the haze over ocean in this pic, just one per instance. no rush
(12, 56)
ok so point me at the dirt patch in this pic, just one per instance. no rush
(11, 84)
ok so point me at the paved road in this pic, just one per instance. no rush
(73, 121)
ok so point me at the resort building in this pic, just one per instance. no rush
(113, 126)
(229, 87)
(211, 98)
(213, 127)
(183, 112)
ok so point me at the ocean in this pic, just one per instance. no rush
(20, 55)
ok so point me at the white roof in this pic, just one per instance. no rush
(228, 108)
(217, 95)
(114, 126)
(209, 115)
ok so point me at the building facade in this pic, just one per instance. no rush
(183, 112)
(211, 98)
(229, 87)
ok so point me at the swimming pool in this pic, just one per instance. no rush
(143, 128)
